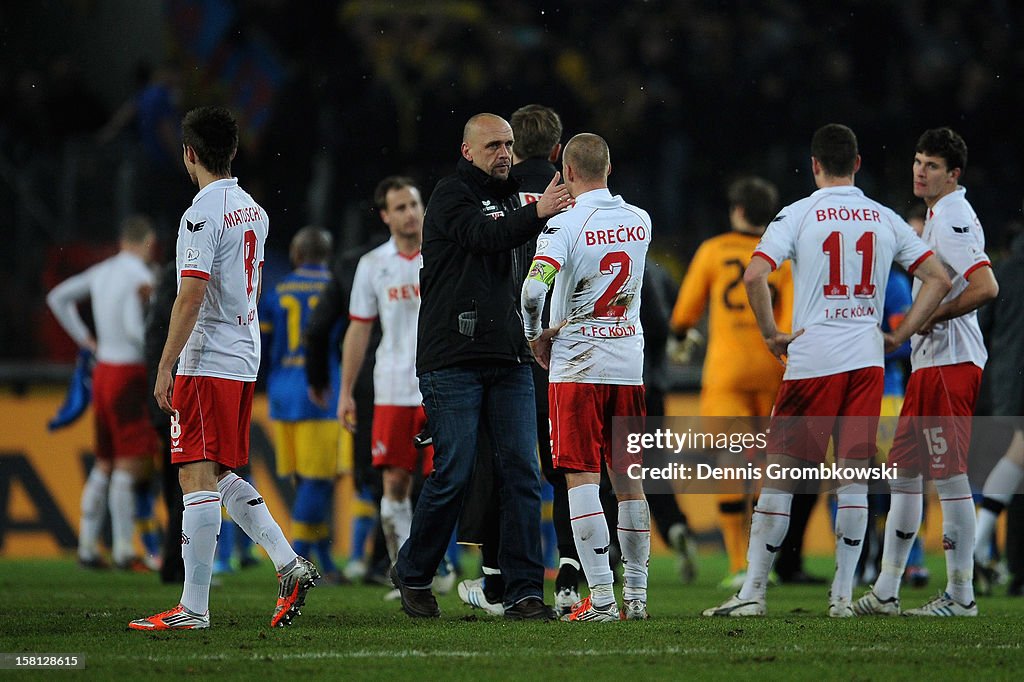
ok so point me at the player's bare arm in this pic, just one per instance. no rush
(935, 285)
(184, 314)
(353, 352)
(755, 280)
(982, 287)
(535, 290)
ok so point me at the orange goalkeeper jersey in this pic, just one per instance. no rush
(737, 358)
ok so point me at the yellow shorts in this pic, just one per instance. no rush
(315, 448)
(891, 407)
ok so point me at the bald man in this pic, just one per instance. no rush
(473, 365)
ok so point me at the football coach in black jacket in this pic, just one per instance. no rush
(474, 367)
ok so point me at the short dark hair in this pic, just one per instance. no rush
(311, 244)
(136, 229)
(213, 133)
(537, 129)
(946, 143)
(391, 182)
(835, 147)
(758, 198)
(917, 210)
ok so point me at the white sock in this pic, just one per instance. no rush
(851, 526)
(768, 526)
(249, 511)
(958, 536)
(901, 527)
(94, 506)
(122, 515)
(200, 527)
(590, 533)
(999, 488)
(403, 522)
(396, 521)
(635, 541)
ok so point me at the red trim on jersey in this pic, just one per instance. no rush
(583, 516)
(970, 270)
(361, 319)
(913, 266)
(196, 273)
(775, 266)
(550, 261)
(410, 257)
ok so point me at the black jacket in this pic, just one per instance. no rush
(470, 285)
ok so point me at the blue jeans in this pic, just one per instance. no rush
(459, 401)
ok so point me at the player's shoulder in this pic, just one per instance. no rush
(641, 213)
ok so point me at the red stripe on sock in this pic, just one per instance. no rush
(955, 499)
(633, 530)
(853, 506)
(758, 511)
(576, 518)
(193, 504)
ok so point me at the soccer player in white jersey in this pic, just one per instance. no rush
(594, 254)
(387, 287)
(214, 337)
(947, 358)
(119, 287)
(842, 245)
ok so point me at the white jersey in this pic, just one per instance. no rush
(599, 248)
(387, 285)
(842, 245)
(954, 232)
(221, 239)
(118, 288)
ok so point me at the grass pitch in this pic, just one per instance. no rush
(351, 633)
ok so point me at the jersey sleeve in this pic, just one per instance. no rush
(198, 236)
(959, 242)
(694, 291)
(911, 250)
(362, 304)
(778, 243)
(553, 244)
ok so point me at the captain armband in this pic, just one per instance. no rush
(543, 272)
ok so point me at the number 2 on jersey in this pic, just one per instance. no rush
(833, 248)
(606, 306)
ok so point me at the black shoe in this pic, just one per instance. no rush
(801, 578)
(531, 608)
(416, 603)
(1016, 588)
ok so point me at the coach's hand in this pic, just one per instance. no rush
(541, 346)
(555, 198)
(778, 343)
(163, 390)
